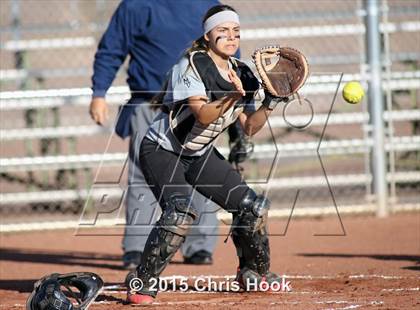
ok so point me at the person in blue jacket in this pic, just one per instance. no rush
(154, 34)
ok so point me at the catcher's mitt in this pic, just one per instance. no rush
(283, 70)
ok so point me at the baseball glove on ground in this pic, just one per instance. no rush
(283, 70)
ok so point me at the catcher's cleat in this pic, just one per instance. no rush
(131, 259)
(250, 280)
(201, 257)
(139, 299)
(247, 277)
(273, 277)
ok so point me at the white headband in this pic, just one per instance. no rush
(220, 18)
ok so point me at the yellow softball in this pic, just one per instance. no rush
(353, 92)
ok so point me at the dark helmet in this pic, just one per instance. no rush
(48, 293)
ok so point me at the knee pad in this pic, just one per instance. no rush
(178, 215)
(253, 212)
(249, 233)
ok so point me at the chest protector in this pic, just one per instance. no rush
(191, 134)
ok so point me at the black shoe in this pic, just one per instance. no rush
(131, 259)
(199, 258)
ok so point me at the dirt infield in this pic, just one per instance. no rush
(376, 264)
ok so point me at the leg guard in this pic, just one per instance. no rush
(163, 242)
(249, 233)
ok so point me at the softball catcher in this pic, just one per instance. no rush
(207, 91)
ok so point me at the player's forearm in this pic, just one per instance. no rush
(256, 121)
(211, 111)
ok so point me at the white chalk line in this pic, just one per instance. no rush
(305, 277)
(192, 291)
(333, 302)
(372, 303)
(217, 303)
(189, 291)
(242, 302)
(120, 289)
(296, 277)
(328, 302)
(385, 277)
(345, 308)
(102, 302)
(409, 289)
(294, 292)
(192, 302)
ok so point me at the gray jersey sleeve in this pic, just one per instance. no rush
(186, 84)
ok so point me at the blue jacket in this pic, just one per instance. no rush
(154, 33)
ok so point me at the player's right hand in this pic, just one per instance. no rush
(99, 110)
(236, 81)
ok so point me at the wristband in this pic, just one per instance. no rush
(270, 102)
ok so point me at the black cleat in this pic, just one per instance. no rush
(131, 259)
(199, 258)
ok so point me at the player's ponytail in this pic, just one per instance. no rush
(198, 45)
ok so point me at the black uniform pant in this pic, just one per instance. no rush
(210, 174)
(173, 179)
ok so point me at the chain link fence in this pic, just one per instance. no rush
(51, 151)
